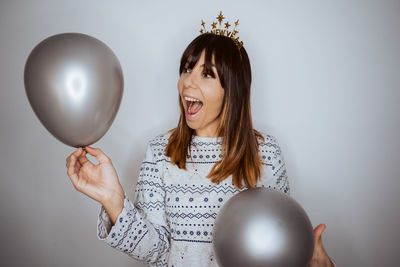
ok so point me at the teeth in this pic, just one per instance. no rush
(191, 99)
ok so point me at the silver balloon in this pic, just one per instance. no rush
(262, 227)
(74, 84)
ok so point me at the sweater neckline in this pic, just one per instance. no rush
(196, 138)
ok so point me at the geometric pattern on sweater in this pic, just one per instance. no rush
(170, 222)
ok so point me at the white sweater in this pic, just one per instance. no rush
(171, 221)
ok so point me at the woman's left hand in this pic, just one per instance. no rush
(319, 258)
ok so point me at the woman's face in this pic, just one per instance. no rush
(201, 94)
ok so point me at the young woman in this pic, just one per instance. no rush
(189, 172)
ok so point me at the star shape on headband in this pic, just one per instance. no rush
(220, 17)
(223, 31)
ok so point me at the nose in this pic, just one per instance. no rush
(189, 80)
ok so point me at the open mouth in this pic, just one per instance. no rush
(193, 106)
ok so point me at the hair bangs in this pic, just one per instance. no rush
(205, 42)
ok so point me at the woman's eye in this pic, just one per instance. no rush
(208, 75)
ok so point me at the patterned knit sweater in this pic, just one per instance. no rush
(170, 223)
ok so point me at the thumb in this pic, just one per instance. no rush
(318, 232)
(96, 152)
(83, 160)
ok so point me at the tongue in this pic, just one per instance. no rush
(195, 107)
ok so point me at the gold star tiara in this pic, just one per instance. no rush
(223, 31)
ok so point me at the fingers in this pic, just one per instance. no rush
(76, 153)
(71, 168)
(96, 152)
(82, 159)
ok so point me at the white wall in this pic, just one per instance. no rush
(326, 84)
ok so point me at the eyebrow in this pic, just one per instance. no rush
(187, 64)
(212, 65)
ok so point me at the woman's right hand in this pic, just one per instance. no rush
(100, 182)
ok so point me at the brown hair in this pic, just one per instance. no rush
(240, 156)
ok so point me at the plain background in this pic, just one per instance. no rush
(326, 78)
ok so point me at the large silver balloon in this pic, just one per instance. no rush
(74, 84)
(262, 227)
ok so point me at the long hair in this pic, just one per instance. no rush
(240, 156)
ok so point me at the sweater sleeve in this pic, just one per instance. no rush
(274, 172)
(141, 229)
